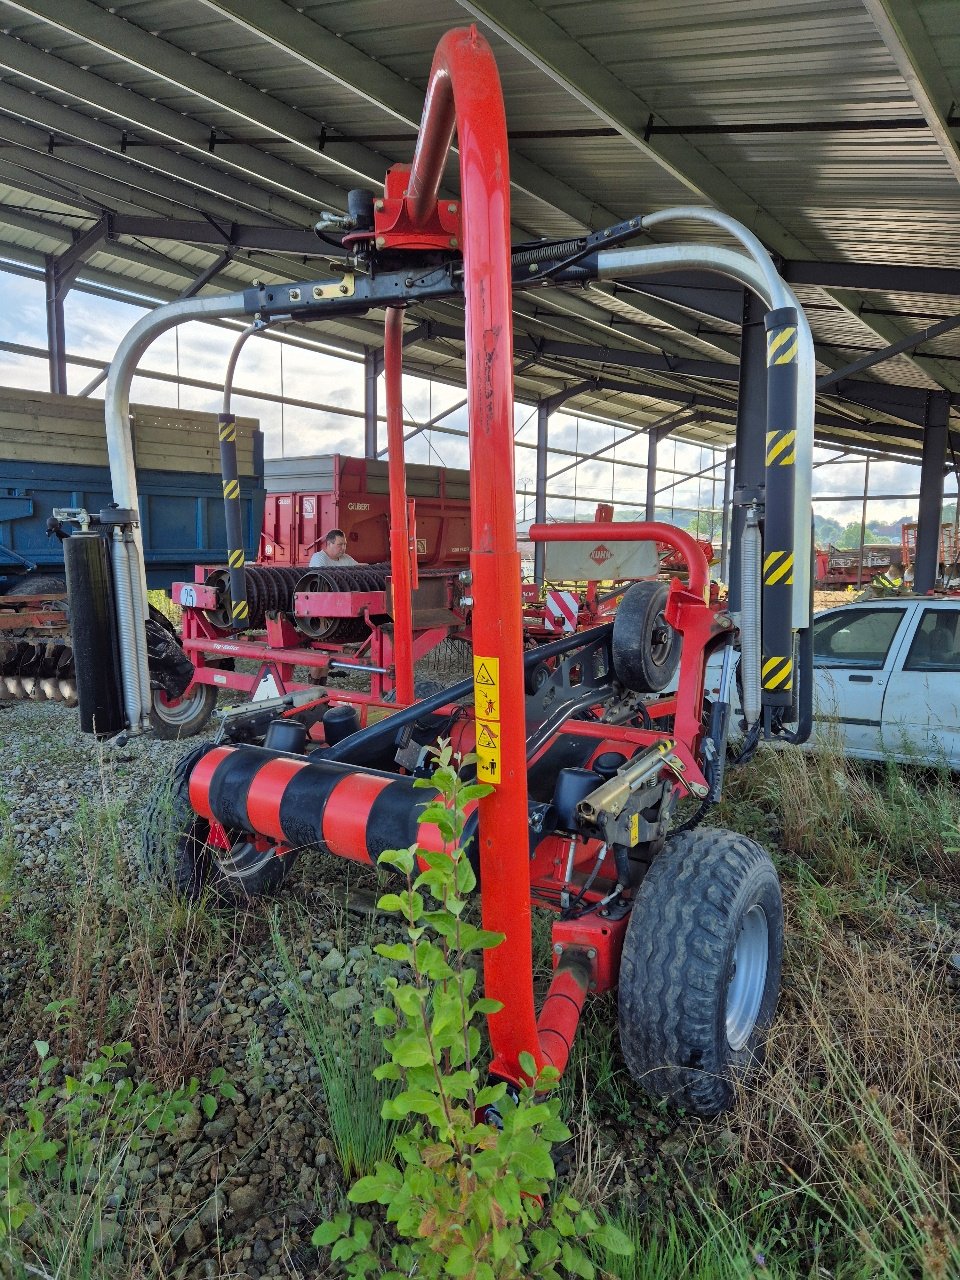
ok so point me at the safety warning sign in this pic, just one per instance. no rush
(486, 691)
(486, 688)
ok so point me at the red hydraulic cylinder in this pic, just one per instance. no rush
(464, 89)
(399, 530)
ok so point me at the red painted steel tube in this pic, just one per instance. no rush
(464, 85)
(399, 532)
(653, 530)
(560, 1015)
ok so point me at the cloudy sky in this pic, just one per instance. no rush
(95, 326)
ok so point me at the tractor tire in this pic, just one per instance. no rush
(40, 584)
(173, 718)
(646, 649)
(176, 856)
(700, 971)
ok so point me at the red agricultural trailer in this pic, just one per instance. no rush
(598, 777)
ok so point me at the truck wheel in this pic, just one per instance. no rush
(700, 971)
(645, 648)
(174, 718)
(176, 856)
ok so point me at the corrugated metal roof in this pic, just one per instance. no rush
(802, 117)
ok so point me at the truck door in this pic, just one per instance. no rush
(921, 710)
(853, 654)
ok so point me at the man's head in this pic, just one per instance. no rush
(335, 543)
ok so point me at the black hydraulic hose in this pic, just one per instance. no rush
(381, 734)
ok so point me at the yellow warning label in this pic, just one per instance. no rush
(486, 688)
(634, 829)
(488, 751)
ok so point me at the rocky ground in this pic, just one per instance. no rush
(236, 1194)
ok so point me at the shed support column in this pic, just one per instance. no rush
(372, 365)
(56, 339)
(727, 504)
(750, 453)
(540, 488)
(927, 561)
(653, 439)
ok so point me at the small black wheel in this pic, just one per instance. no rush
(646, 649)
(700, 971)
(536, 677)
(174, 718)
(177, 856)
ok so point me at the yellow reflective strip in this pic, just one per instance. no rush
(771, 558)
(240, 609)
(775, 671)
(788, 356)
(235, 559)
(231, 488)
(775, 574)
(228, 431)
(776, 340)
(777, 442)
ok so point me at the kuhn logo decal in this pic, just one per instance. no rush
(601, 554)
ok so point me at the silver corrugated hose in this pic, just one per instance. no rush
(750, 552)
(140, 614)
(126, 625)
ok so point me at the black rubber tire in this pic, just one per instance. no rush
(38, 584)
(646, 649)
(678, 963)
(176, 856)
(187, 717)
(536, 677)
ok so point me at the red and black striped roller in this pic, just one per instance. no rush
(354, 813)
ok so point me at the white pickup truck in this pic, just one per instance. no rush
(887, 679)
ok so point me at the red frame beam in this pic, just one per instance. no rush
(464, 92)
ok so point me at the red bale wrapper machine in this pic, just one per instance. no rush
(588, 769)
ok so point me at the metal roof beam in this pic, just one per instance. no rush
(206, 188)
(547, 46)
(906, 344)
(122, 38)
(886, 277)
(902, 31)
(296, 189)
(269, 239)
(300, 37)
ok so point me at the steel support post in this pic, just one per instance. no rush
(727, 508)
(540, 488)
(372, 364)
(652, 441)
(56, 338)
(926, 564)
(750, 449)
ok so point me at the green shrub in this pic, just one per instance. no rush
(464, 1194)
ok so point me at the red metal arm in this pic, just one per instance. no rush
(679, 539)
(464, 88)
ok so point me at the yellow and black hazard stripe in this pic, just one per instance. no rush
(782, 345)
(241, 611)
(231, 488)
(228, 431)
(777, 673)
(235, 559)
(781, 448)
(778, 567)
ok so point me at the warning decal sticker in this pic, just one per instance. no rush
(486, 691)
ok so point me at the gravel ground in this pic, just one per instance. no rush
(236, 1195)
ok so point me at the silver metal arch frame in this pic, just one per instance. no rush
(752, 268)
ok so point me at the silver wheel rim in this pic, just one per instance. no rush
(748, 979)
(243, 860)
(181, 711)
